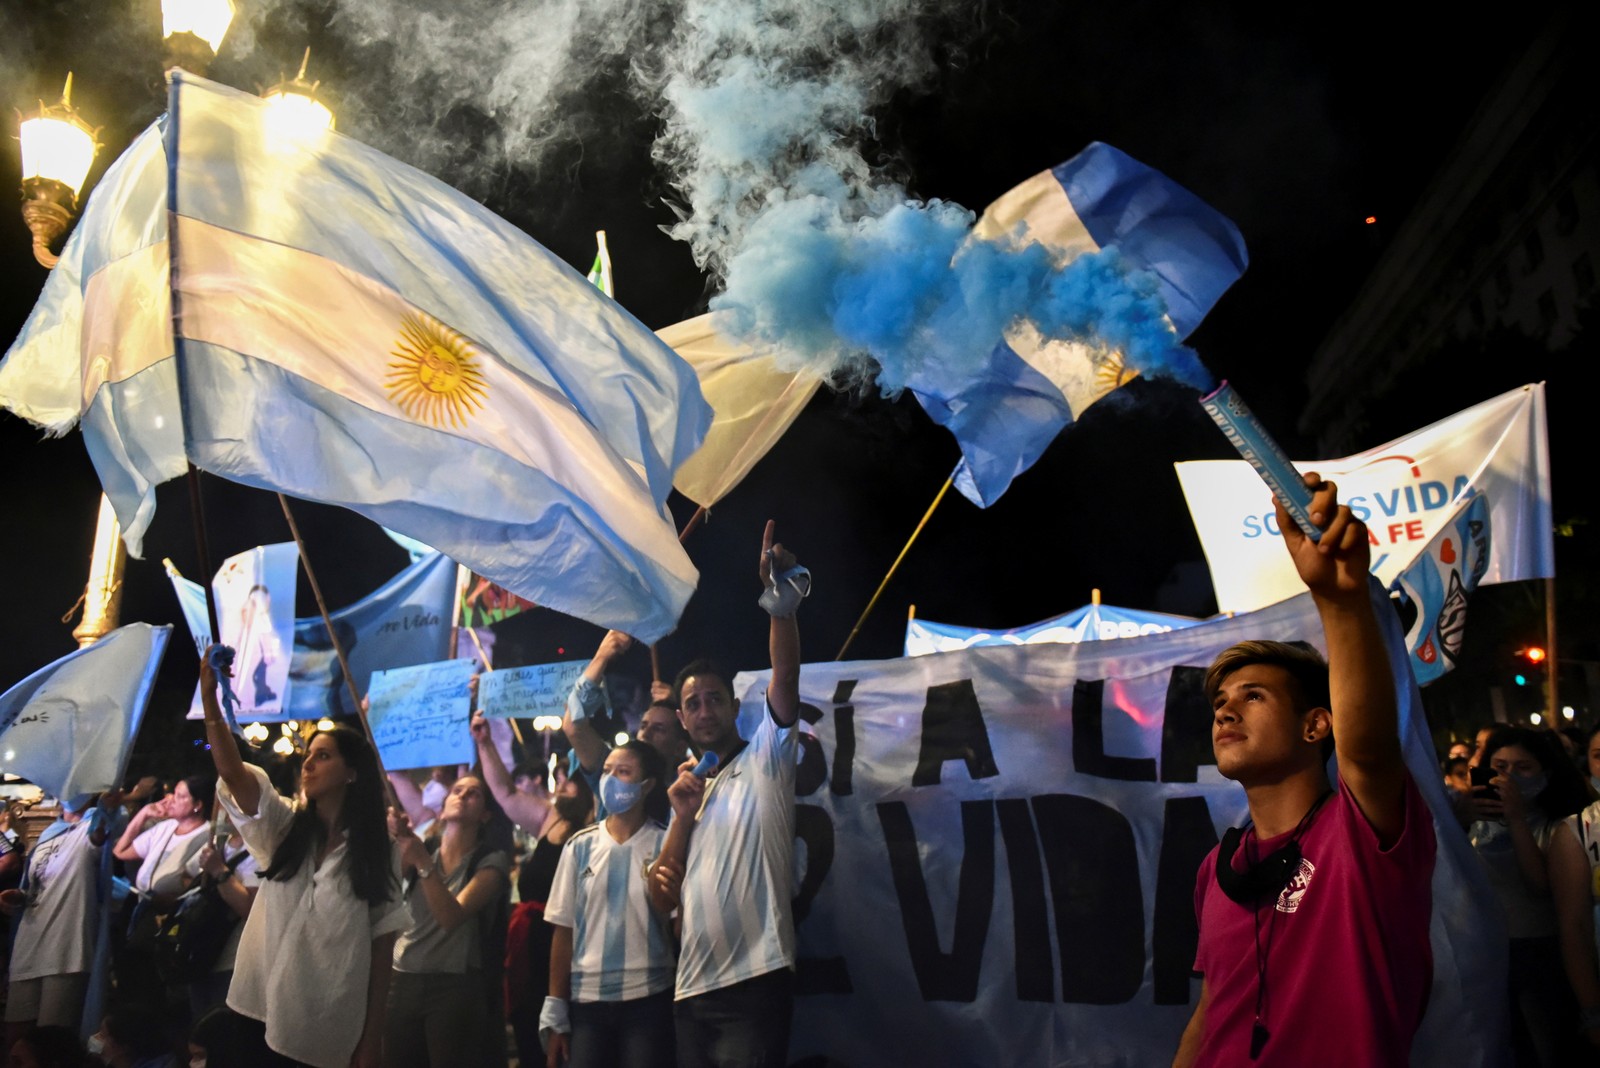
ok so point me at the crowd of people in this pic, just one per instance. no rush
(629, 903)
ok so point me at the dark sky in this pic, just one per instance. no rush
(1297, 124)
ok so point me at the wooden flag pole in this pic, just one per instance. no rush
(202, 549)
(338, 646)
(896, 565)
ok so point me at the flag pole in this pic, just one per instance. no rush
(203, 550)
(338, 646)
(1553, 717)
(896, 565)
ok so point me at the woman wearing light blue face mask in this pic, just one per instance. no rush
(606, 1007)
(1536, 788)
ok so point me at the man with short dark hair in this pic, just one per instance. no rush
(1314, 917)
(728, 858)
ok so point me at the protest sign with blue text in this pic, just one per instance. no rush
(419, 714)
(529, 691)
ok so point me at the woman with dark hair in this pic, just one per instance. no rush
(1536, 787)
(162, 837)
(612, 964)
(455, 885)
(1574, 853)
(314, 960)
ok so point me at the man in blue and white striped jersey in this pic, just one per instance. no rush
(729, 853)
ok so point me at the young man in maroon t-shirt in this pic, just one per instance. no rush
(1314, 940)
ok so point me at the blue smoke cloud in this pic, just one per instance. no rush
(825, 260)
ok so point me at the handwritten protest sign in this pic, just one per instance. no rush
(525, 692)
(419, 714)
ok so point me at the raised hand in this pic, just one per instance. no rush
(1337, 565)
(774, 557)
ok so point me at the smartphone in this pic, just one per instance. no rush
(1480, 784)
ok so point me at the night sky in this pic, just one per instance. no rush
(1298, 125)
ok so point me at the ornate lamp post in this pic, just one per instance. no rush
(192, 32)
(58, 148)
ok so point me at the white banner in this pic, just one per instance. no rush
(1405, 491)
(998, 846)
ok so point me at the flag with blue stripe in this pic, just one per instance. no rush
(1008, 411)
(347, 329)
(69, 726)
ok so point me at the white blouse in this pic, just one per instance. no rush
(306, 952)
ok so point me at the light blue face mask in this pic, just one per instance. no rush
(1594, 783)
(1531, 785)
(619, 796)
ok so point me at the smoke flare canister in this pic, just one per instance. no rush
(1246, 434)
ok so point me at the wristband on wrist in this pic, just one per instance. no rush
(553, 1020)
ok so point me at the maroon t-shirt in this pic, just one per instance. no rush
(1348, 963)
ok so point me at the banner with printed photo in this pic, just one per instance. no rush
(997, 850)
(1406, 491)
(255, 609)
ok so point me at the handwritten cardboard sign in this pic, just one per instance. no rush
(525, 692)
(419, 714)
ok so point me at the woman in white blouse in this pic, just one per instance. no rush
(314, 960)
(163, 835)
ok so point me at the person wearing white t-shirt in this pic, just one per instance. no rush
(311, 980)
(59, 900)
(163, 836)
(728, 858)
(611, 959)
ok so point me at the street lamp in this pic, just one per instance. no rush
(192, 32)
(58, 148)
(293, 107)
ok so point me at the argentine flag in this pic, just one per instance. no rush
(70, 725)
(1007, 413)
(327, 322)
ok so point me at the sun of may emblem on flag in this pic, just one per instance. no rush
(434, 375)
(1111, 371)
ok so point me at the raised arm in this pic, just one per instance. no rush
(526, 812)
(1366, 720)
(449, 910)
(224, 748)
(154, 812)
(586, 699)
(783, 637)
(410, 798)
(666, 873)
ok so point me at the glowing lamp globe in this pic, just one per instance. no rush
(58, 148)
(206, 19)
(293, 110)
(297, 114)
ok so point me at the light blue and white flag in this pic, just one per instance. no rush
(406, 621)
(1092, 622)
(1435, 589)
(69, 727)
(1005, 414)
(348, 329)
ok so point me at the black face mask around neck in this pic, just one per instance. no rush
(1261, 881)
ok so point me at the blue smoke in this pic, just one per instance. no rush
(826, 261)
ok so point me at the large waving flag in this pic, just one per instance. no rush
(1006, 413)
(347, 329)
(69, 727)
(754, 401)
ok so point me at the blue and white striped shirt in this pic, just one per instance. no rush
(621, 948)
(737, 884)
